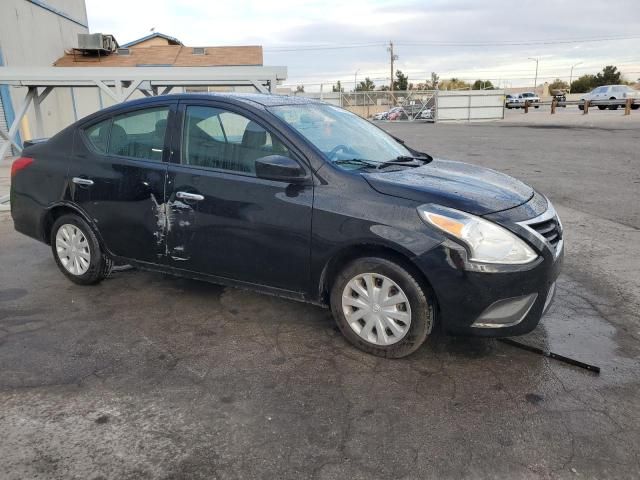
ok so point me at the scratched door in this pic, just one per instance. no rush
(118, 174)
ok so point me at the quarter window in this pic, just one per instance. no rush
(139, 134)
(221, 139)
(98, 135)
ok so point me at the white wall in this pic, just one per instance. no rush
(33, 36)
(469, 105)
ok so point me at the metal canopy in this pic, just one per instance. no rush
(121, 82)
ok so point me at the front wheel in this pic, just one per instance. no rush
(77, 252)
(381, 308)
(613, 107)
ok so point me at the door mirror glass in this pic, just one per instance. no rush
(279, 168)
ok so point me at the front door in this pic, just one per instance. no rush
(118, 176)
(225, 221)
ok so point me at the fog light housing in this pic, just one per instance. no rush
(506, 312)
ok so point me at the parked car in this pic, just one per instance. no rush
(426, 114)
(530, 97)
(296, 198)
(511, 100)
(380, 116)
(397, 113)
(612, 92)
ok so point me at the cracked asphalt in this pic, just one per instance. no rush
(150, 376)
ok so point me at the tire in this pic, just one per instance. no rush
(537, 106)
(91, 265)
(613, 107)
(411, 325)
(580, 107)
(635, 106)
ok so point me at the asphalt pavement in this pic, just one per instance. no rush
(151, 376)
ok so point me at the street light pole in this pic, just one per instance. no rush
(571, 74)
(535, 82)
(355, 80)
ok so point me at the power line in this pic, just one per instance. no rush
(508, 43)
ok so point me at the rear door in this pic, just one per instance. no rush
(118, 178)
(224, 220)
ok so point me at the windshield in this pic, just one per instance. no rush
(341, 135)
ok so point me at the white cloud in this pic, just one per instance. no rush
(299, 24)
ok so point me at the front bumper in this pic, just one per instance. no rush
(492, 300)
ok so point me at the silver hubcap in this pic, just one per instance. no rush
(376, 309)
(73, 249)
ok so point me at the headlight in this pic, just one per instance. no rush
(486, 241)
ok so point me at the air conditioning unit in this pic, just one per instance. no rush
(97, 41)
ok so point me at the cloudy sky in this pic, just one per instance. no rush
(328, 40)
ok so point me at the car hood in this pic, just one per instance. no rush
(470, 188)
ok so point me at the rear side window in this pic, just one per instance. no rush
(98, 135)
(139, 134)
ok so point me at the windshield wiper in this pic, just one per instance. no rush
(405, 160)
(356, 161)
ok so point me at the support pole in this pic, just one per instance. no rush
(627, 106)
(13, 129)
(586, 107)
(554, 103)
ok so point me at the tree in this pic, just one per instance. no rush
(454, 84)
(401, 82)
(482, 85)
(609, 76)
(337, 87)
(583, 84)
(384, 88)
(558, 84)
(366, 85)
(300, 89)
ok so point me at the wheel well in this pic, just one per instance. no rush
(50, 218)
(349, 254)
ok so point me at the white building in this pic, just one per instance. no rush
(35, 33)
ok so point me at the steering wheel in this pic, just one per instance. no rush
(338, 148)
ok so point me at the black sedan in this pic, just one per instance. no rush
(299, 199)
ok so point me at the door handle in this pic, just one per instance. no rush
(190, 196)
(82, 181)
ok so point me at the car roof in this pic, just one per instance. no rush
(261, 99)
(257, 100)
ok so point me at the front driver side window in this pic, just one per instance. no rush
(217, 138)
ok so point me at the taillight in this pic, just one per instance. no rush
(19, 164)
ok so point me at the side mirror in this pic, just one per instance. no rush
(279, 168)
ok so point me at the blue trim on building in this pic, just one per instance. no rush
(42, 4)
(150, 36)
(73, 104)
(7, 105)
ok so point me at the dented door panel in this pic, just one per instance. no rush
(126, 200)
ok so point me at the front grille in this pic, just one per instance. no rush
(549, 229)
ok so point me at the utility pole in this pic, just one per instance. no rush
(571, 74)
(535, 82)
(393, 58)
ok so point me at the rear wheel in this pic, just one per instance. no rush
(602, 107)
(381, 308)
(77, 252)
